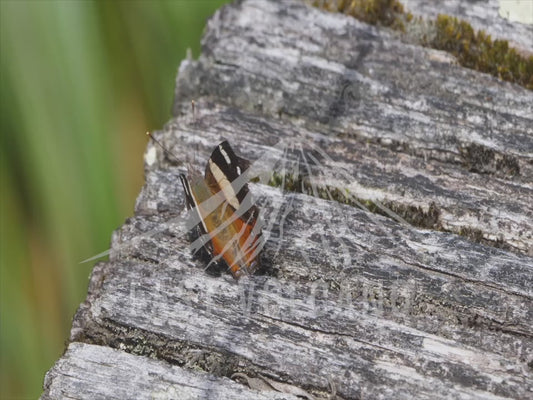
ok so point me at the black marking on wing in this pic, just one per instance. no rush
(232, 169)
(189, 199)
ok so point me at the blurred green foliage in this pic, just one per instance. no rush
(81, 82)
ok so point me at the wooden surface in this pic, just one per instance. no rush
(424, 292)
(121, 375)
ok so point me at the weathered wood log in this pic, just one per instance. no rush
(120, 375)
(396, 192)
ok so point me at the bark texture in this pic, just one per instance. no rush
(396, 191)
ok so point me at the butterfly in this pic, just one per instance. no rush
(224, 215)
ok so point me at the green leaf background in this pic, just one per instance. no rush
(80, 84)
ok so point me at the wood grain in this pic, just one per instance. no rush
(397, 264)
(120, 375)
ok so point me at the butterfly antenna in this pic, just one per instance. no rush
(167, 152)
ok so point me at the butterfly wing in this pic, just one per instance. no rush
(224, 213)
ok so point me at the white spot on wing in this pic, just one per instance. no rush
(225, 185)
(238, 170)
(228, 161)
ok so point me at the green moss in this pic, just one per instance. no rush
(388, 13)
(415, 216)
(478, 51)
(476, 235)
(473, 49)
(477, 158)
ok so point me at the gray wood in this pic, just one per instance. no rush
(426, 105)
(350, 304)
(388, 317)
(499, 209)
(429, 109)
(120, 375)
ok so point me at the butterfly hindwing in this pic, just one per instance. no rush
(200, 229)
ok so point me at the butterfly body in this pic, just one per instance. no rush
(224, 212)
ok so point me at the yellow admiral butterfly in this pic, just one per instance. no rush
(226, 215)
